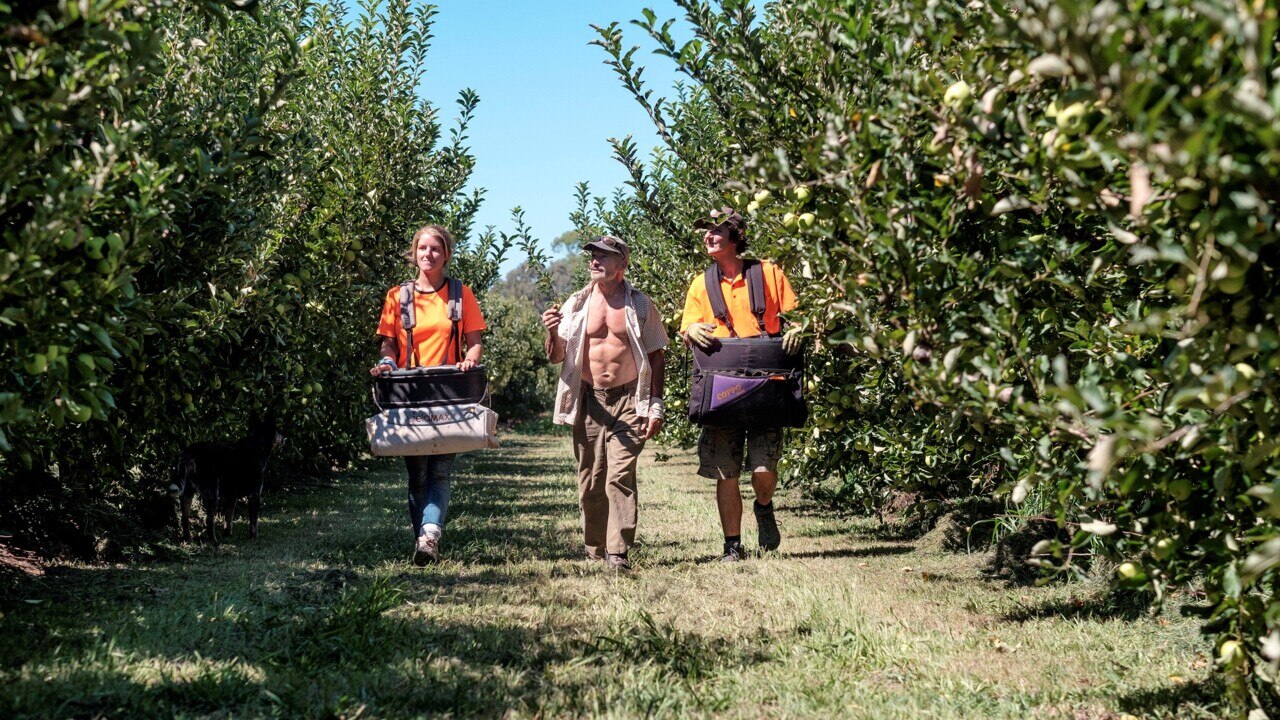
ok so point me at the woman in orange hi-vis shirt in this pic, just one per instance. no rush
(433, 335)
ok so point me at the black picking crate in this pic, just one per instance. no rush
(430, 387)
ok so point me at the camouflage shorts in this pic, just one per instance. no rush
(720, 451)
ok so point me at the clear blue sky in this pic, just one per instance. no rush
(548, 103)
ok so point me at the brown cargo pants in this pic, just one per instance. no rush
(607, 439)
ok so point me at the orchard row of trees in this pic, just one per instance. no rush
(203, 205)
(1036, 242)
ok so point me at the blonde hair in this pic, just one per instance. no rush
(438, 231)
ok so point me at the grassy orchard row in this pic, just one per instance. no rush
(1036, 244)
(322, 619)
(197, 229)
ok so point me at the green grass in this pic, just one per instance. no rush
(323, 616)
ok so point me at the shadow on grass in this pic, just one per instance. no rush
(294, 642)
(809, 508)
(95, 693)
(872, 551)
(1201, 698)
(681, 654)
(508, 512)
(540, 424)
(301, 622)
(522, 469)
(471, 588)
(1112, 605)
(714, 558)
(675, 561)
(504, 506)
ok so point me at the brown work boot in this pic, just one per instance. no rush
(769, 536)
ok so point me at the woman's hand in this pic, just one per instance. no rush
(388, 353)
(475, 350)
(385, 365)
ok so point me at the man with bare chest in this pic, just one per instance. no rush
(611, 340)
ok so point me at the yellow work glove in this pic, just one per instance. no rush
(700, 334)
(792, 341)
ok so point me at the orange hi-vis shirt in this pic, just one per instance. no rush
(432, 330)
(778, 298)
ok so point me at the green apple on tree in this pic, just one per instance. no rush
(79, 413)
(1130, 572)
(1231, 653)
(36, 363)
(1180, 489)
(1071, 119)
(958, 95)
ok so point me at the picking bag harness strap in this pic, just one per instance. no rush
(753, 272)
(407, 319)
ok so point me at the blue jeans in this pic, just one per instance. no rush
(428, 489)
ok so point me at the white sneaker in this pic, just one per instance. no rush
(426, 550)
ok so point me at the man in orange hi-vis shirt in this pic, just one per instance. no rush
(720, 450)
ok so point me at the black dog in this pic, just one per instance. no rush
(223, 473)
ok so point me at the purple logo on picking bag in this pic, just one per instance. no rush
(725, 390)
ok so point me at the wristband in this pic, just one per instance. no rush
(657, 408)
(388, 362)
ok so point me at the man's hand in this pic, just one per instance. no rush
(554, 344)
(653, 427)
(466, 364)
(700, 334)
(792, 341)
(551, 319)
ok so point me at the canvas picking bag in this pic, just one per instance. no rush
(431, 410)
(432, 430)
(745, 382)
